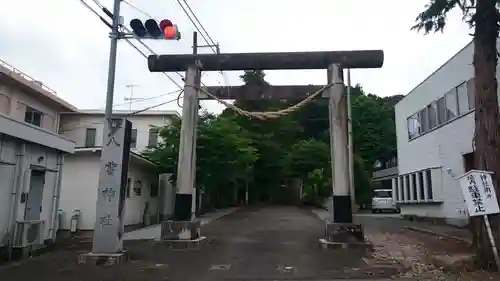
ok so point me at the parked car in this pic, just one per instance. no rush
(383, 201)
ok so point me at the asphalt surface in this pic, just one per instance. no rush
(267, 243)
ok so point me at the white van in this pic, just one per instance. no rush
(382, 201)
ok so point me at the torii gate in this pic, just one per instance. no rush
(333, 61)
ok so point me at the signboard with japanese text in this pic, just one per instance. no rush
(479, 193)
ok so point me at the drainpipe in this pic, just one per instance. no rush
(56, 197)
(16, 186)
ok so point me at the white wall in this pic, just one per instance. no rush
(79, 190)
(7, 170)
(74, 126)
(443, 146)
(134, 205)
(9, 147)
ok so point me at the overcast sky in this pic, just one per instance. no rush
(64, 45)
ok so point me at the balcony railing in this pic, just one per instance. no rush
(423, 186)
(28, 78)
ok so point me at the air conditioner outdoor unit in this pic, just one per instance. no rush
(27, 233)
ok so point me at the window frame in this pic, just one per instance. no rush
(133, 138)
(93, 142)
(156, 132)
(460, 110)
(430, 117)
(30, 119)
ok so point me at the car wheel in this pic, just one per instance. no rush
(374, 211)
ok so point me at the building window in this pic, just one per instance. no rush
(153, 190)
(133, 138)
(416, 186)
(33, 116)
(413, 186)
(456, 102)
(471, 93)
(420, 176)
(407, 187)
(463, 99)
(153, 137)
(424, 120)
(4, 104)
(451, 104)
(429, 185)
(138, 187)
(441, 111)
(413, 126)
(432, 113)
(396, 188)
(129, 183)
(90, 136)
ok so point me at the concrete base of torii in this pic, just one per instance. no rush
(96, 259)
(343, 235)
(182, 235)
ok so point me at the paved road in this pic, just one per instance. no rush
(252, 244)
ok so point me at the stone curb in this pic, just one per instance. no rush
(221, 215)
(435, 233)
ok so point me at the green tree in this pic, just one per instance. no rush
(306, 156)
(225, 156)
(483, 16)
(272, 138)
(316, 188)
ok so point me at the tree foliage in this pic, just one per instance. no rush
(483, 16)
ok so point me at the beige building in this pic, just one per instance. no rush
(31, 158)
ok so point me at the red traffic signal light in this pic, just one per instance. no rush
(165, 23)
(152, 30)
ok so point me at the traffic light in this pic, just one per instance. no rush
(150, 29)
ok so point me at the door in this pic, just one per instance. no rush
(35, 196)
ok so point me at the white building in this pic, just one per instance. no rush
(81, 174)
(85, 127)
(435, 127)
(31, 157)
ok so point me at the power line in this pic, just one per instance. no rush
(128, 114)
(196, 26)
(197, 20)
(148, 98)
(98, 3)
(210, 43)
(136, 8)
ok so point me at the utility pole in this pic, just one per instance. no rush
(107, 244)
(131, 98)
(114, 34)
(352, 190)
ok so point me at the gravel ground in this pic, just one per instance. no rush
(414, 251)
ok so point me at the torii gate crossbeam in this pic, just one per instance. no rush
(268, 61)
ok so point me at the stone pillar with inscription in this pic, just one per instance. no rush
(107, 244)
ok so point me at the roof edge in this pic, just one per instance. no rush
(435, 71)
